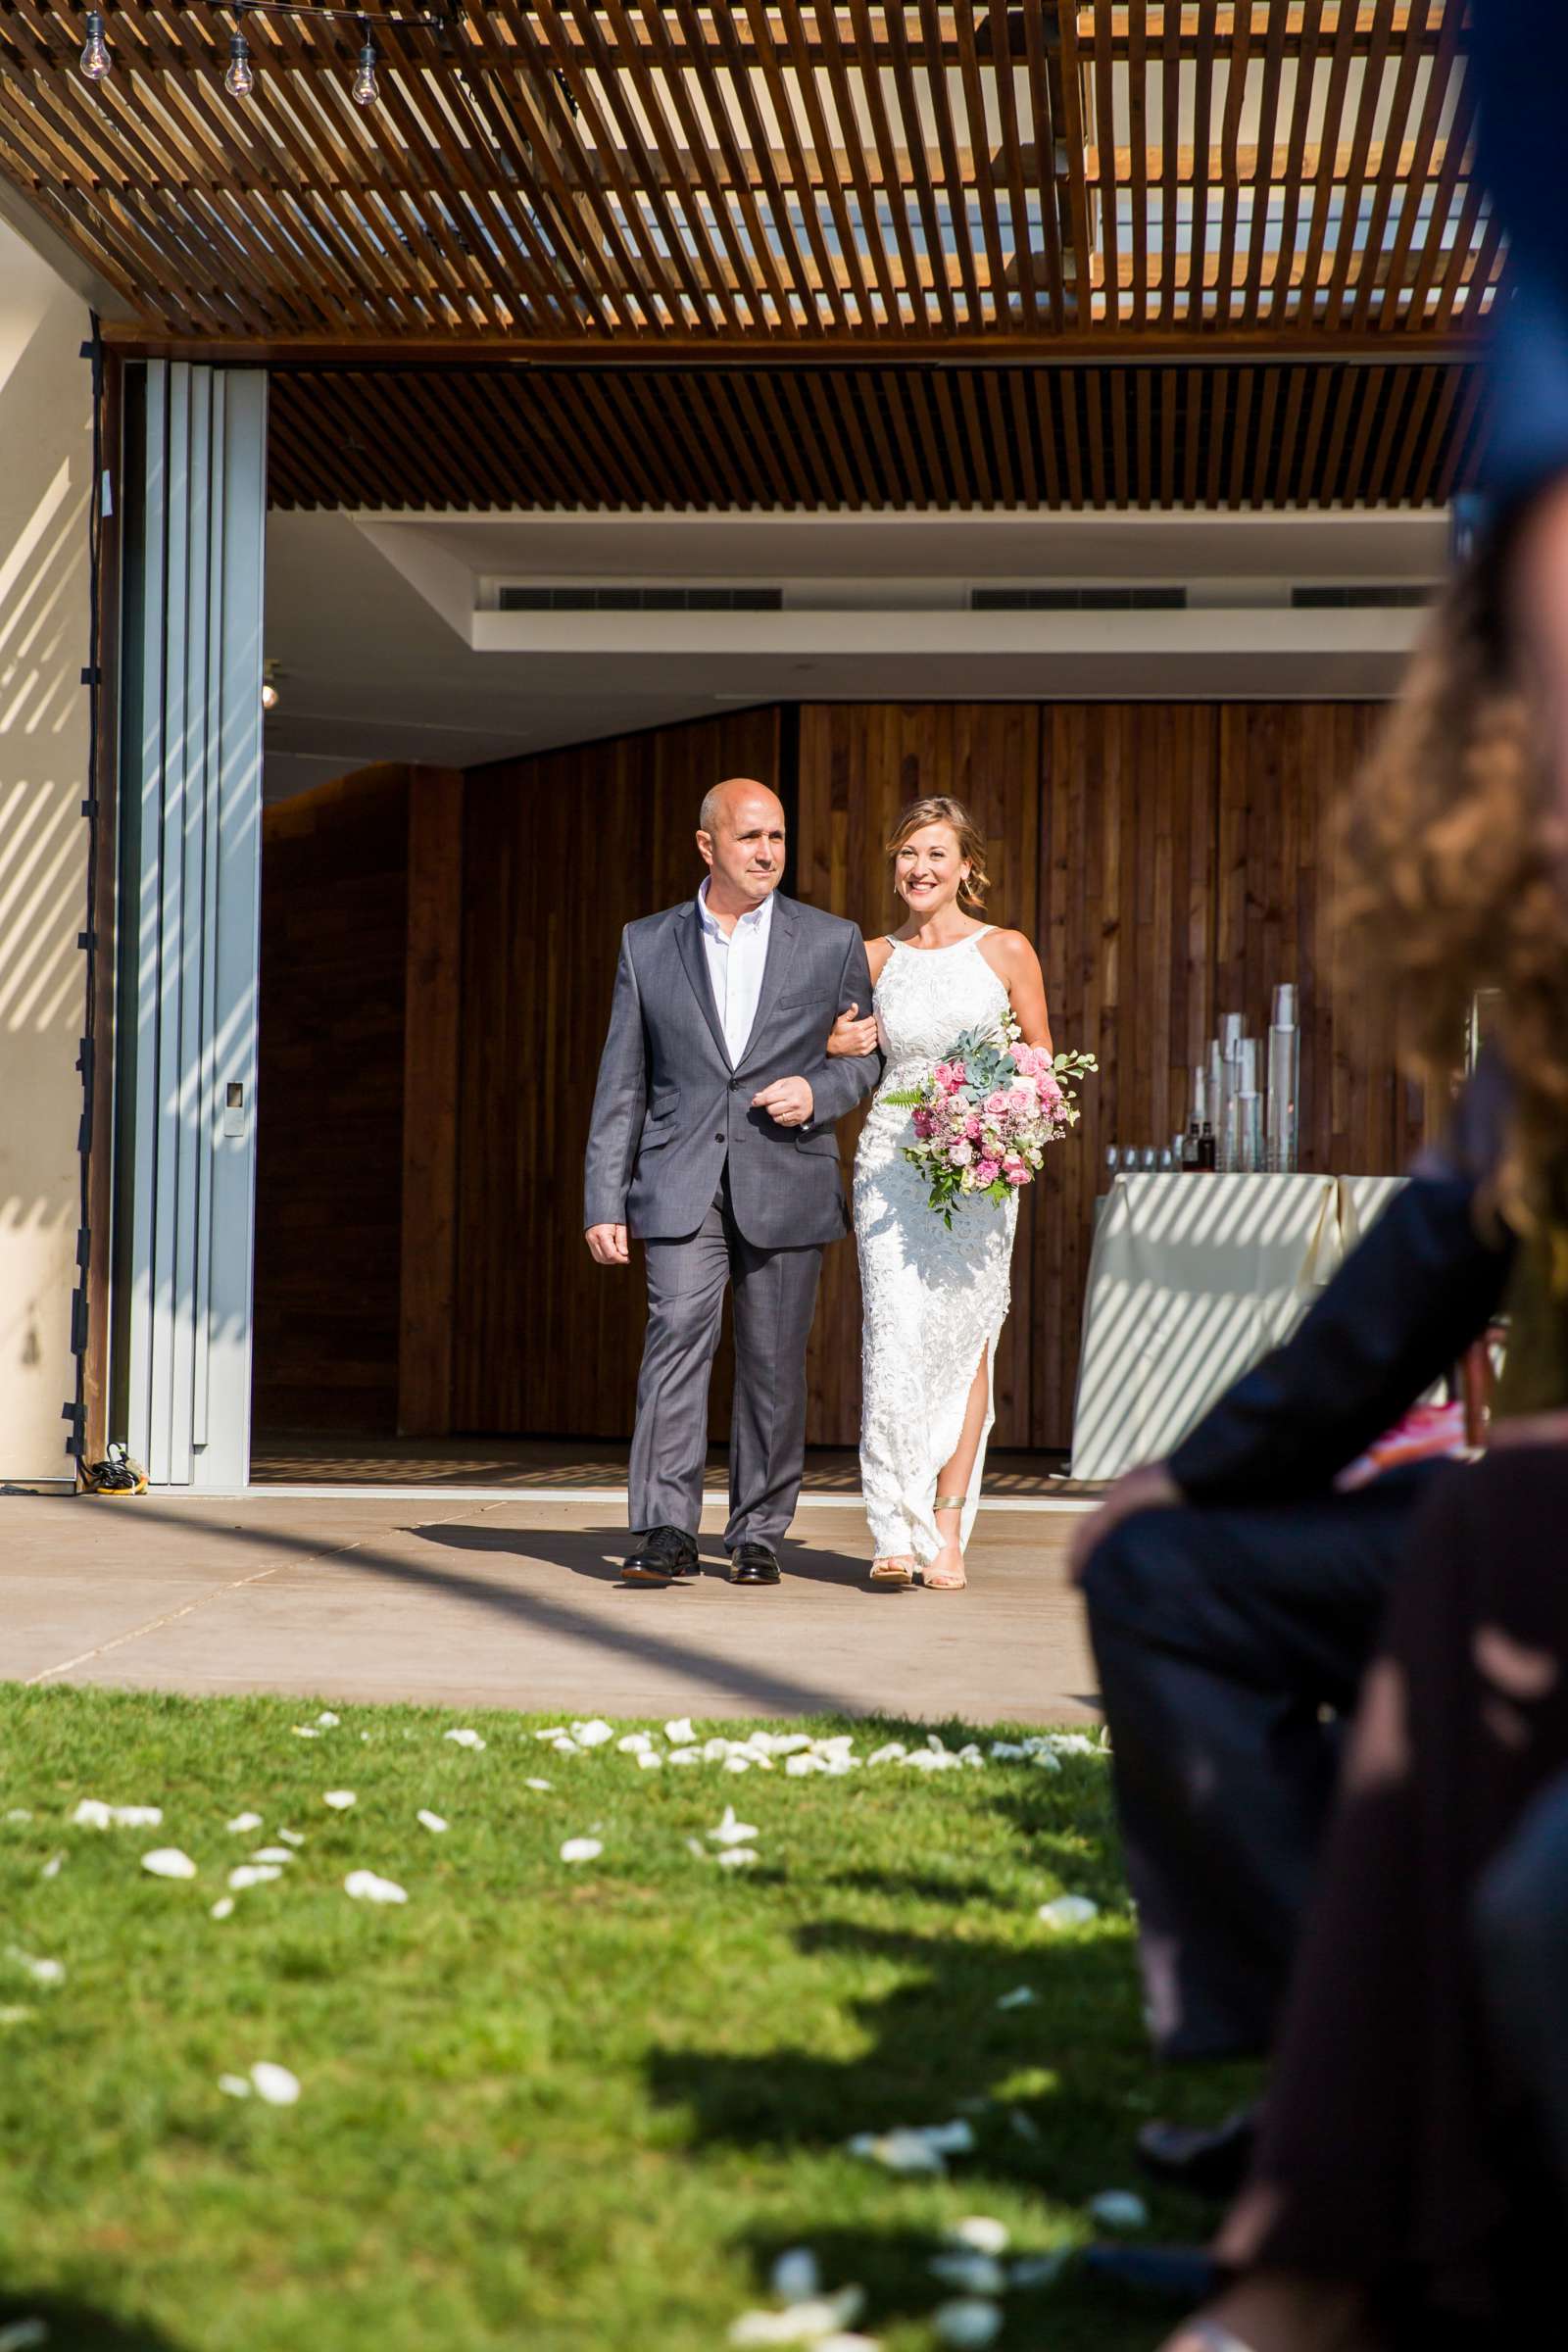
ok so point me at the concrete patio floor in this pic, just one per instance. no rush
(515, 1603)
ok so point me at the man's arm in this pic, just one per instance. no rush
(839, 1082)
(620, 1102)
(1396, 1316)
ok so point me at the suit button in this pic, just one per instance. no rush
(734, 1085)
(718, 1138)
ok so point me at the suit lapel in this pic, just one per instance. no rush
(780, 955)
(689, 940)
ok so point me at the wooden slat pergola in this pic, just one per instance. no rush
(851, 253)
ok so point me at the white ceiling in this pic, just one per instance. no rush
(389, 646)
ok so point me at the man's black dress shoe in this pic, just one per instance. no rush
(1212, 2163)
(753, 1564)
(665, 1555)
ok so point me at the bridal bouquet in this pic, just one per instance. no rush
(983, 1119)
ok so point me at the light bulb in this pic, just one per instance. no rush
(95, 58)
(365, 92)
(240, 79)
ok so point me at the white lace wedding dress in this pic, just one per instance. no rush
(934, 1299)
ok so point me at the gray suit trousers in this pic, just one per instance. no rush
(774, 1294)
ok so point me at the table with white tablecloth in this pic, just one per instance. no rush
(1192, 1278)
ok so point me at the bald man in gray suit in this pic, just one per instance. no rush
(713, 1144)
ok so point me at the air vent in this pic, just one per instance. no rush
(1078, 600)
(1390, 597)
(640, 599)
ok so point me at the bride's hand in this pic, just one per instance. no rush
(851, 1036)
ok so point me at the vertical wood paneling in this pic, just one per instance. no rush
(329, 1105)
(559, 852)
(434, 1019)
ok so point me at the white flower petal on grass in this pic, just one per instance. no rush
(1005, 1750)
(967, 2322)
(634, 1743)
(1022, 1996)
(93, 1814)
(737, 1763)
(53, 1867)
(812, 2321)
(223, 1908)
(243, 1823)
(1069, 1911)
(893, 1751)
(274, 2084)
(731, 1831)
(367, 1888)
(715, 1750)
(42, 1972)
(952, 2139)
(24, 2335)
(168, 1862)
(291, 1837)
(897, 2151)
(567, 1747)
(581, 1850)
(339, 1800)
(799, 1766)
(430, 1821)
(972, 2273)
(464, 1738)
(18, 1813)
(234, 2086)
(15, 2013)
(839, 2341)
(305, 1730)
(592, 1734)
(796, 2277)
(1119, 2209)
(652, 1761)
(273, 1853)
(981, 2230)
(685, 1755)
(1036, 2270)
(736, 1857)
(788, 1744)
(253, 1874)
(1052, 1763)
(537, 1784)
(678, 1732)
(327, 1720)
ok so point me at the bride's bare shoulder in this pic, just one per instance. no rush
(877, 951)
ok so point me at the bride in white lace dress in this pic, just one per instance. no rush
(934, 1298)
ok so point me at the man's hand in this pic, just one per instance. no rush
(850, 1035)
(607, 1245)
(788, 1101)
(1150, 1487)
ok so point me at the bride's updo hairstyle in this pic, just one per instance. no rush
(940, 809)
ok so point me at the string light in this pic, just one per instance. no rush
(95, 58)
(240, 79)
(365, 92)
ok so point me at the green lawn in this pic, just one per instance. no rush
(542, 2105)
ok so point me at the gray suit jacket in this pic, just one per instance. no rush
(670, 1107)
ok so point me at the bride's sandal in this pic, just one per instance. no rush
(947, 1583)
(893, 1571)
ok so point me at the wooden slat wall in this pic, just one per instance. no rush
(329, 1105)
(1173, 861)
(560, 851)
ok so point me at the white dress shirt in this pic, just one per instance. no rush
(735, 966)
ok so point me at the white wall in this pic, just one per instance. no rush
(45, 470)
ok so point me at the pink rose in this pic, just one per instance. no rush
(971, 1127)
(950, 1076)
(987, 1173)
(1016, 1170)
(996, 1104)
(960, 1154)
(923, 1124)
